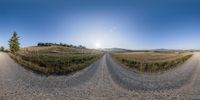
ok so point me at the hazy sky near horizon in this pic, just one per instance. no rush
(131, 24)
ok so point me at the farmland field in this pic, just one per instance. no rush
(55, 59)
(151, 61)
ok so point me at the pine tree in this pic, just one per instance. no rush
(14, 43)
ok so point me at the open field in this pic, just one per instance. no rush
(152, 61)
(55, 59)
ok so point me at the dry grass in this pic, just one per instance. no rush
(151, 61)
(55, 59)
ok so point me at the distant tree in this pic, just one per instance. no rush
(14, 43)
(65, 45)
(46, 44)
(82, 47)
(61, 44)
(2, 48)
(40, 44)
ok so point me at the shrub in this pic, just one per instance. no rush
(2, 48)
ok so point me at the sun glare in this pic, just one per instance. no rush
(97, 45)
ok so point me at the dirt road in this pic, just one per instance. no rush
(104, 79)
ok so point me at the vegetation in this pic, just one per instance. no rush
(2, 48)
(151, 61)
(55, 59)
(14, 43)
(61, 44)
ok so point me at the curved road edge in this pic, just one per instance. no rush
(173, 79)
(15, 72)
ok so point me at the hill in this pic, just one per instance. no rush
(55, 59)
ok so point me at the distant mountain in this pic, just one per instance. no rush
(115, 49)
(168, 50)
(152, 50)
(162, 50)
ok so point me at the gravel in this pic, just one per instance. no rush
(104, 80)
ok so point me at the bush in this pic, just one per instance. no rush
(2, 48)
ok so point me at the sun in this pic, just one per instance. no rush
(97, 45)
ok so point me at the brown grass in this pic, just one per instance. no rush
(55, 59)
(151, 61)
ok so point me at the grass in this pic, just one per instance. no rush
(55, 59)
(151, 61)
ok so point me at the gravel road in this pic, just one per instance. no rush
(103, 80)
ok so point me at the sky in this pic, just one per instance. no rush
(130, 24)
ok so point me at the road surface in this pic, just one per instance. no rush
(103, 80)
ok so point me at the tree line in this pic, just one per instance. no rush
(60, 44)
(14, 44)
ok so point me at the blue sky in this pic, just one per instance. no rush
(131, 24)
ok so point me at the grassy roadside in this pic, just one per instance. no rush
(55, 60)
(151, 63)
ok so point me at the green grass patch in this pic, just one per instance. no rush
(55, 60)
